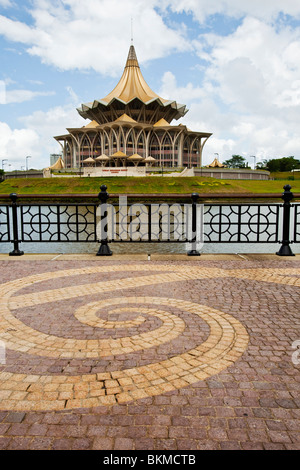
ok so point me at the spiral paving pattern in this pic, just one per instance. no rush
(120, 327)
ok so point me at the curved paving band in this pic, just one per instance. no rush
(226, 342)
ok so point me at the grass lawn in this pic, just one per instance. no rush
(287, 175)
(146, 185)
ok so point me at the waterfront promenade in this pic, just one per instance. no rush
(150, 353)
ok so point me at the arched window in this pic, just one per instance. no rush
(186, 151)
(167, 151)
(97, 148)
(105, 143)
(154, 148)
(141, 145)
(114, 142)
(130, 143)
(85, 149)
(68, 154)
(194, 153)
(176, 151)
(122, 147)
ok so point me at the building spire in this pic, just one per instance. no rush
(132, 83)
(131, 31)
(132, 60)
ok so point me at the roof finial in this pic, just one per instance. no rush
(131, 30)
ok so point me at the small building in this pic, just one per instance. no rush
(216, 164)
(54, 157)
(58, 165)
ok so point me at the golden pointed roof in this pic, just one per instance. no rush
(125, 118)
(92, 125)
(102, 157)
(216, 164)
(132, 93)
(58, 165)
(150, 159)
(136, 156)
(119, 154)
(161, 123)
(132, 83)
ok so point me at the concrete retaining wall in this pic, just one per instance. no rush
(233, 174)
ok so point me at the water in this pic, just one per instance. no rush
(228, 213)
(148, 248)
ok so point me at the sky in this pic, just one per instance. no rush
(235, 64)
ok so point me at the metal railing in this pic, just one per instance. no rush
(193, 223)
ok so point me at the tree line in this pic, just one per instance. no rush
(273, 165)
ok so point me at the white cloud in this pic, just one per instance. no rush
(94, 34)
(19, 96)
(252, 79)
(5, 3)
(266, 9)
(170, 90)
(16, 144)
(35, 136)
(250, 95)
(48, 124)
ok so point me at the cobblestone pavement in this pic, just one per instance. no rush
(163, 354)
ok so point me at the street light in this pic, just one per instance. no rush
(253, 156)
(27, 162)
(4, 160)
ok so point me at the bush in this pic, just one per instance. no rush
(282, 164)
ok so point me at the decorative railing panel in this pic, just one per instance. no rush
(58, 223)
(121, 222)
(240, 223)
(170, 223)
(4, 224)
(297, 223)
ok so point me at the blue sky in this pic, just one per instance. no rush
(235, 64)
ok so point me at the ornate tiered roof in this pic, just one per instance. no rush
(132, 96)
(132, 124)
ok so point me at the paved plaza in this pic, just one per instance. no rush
(150, 353)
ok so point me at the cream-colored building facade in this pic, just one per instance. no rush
(131, 126)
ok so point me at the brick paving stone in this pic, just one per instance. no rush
(230, 446)
(19, 443)
(123, 444)
(39, 443)
(100, 443)
(86, 369)
(14, 417)
(62, 444)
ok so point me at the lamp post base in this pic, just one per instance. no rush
(104, 250)
(285, 250)
(193, 253)
(16, 253)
